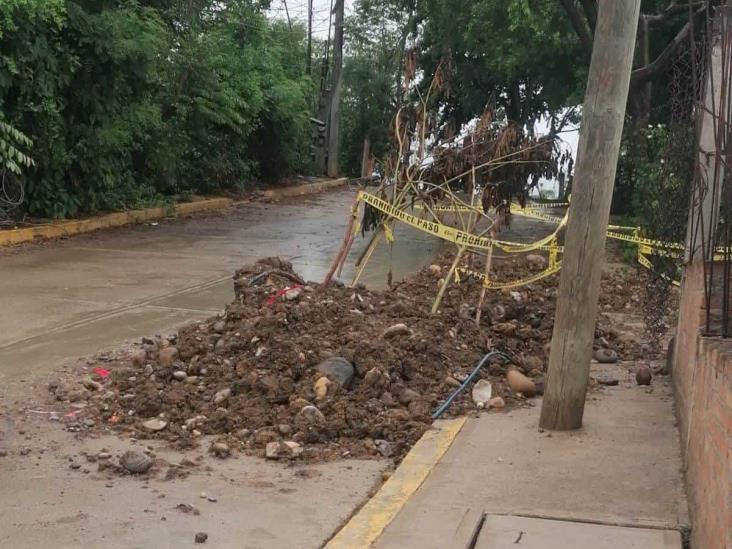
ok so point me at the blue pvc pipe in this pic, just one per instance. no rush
(465, 383)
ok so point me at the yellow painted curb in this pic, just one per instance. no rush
(373, 518)
(62, 229)
(301, 190)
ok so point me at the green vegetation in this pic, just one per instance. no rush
(129, 100)
(112, 104)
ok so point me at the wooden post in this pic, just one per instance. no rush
(579, 285)
(335, 94)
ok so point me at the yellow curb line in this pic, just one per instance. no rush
(300, 190)
(373, 518)
(62, 229)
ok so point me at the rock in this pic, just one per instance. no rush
(284, 429)
(167, 355)
(384, 447)
(179, 375)
(435, 270)
(220, 449)
(537, 261)
(293, 293)
(607, 379)
(498, 313)
(135, 462)
(504, 328)
(138, 357)
(534, 363)
(299, 403)
(519, 383)
(452, 382)
(220, 345)
(279, 450)
(222, 396)
(201, 537)
(407, 396)
(497, 403)
(311, 415)
(418, 409)
(482, 392)
(264, 436)
(396, 330)
(90, 384)
(387, 398)
(75, 465)
(155, 424)
(606, 356)
(375, 377)
(643, 375)
(321, 388)
(338, 370)
(188, 509)
(219, 327)
(102, 456)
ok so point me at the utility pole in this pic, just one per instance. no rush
(335, 91)
(309, 66)
(584, 256)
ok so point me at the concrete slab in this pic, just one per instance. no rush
(622, 468)
(508, 532)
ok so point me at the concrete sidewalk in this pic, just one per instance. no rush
(615, 484)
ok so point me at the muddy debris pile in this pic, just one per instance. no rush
(292, 371)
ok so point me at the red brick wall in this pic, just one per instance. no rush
(702, 371)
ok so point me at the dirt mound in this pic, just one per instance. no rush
(292, 371)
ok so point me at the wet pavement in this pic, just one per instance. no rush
(68, 299)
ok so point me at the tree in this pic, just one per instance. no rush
(371, 94)
(663, 27)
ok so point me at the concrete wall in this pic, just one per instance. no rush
(702, 371)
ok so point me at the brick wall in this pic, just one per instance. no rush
(702, 371)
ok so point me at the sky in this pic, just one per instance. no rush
(299, 12)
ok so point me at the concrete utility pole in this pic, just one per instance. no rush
(706, 192)
(309, 66)
(584, 256)
(335, 91)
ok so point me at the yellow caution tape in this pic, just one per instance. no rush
(434, 228)
(492, 285)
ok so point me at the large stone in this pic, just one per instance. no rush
(321, 387)
(167, 355)
(311, 415)
(396, 330)
(135, 462)
(155, 424)
(222, 396)
(407, 396)
(482, 392)
(338, 370)
(519, 383)
(537, 261)
(282, 450)
(606, 356)
(643, 375)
